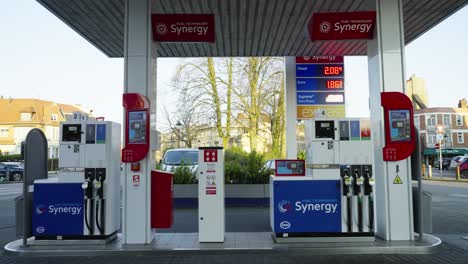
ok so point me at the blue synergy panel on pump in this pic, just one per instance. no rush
(307, 206)
(58, 209)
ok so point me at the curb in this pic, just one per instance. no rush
(445, 180)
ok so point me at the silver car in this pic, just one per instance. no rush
(457, 160)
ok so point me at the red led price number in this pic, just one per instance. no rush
(332, 70)
(334, 84)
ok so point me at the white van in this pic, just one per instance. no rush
(173, 158)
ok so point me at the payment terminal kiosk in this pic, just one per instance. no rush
(136, 128)
(399, 126)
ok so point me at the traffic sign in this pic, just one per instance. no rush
(440, 137)
(437, 146)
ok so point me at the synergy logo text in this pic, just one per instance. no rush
(362, 26)
(74, 210)
(59, 209)
(326, 206)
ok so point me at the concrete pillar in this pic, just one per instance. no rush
(140, 77)
(393, 202)
(291, 109)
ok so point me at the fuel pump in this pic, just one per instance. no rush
(86, 191)
(336, 153)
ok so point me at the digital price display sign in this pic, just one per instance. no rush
(319, 84)
(320, 87)
(319, 70)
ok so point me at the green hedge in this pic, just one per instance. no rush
(10, 158)
(183, 175)
(240, 168)
(52, 164)
(245, 168)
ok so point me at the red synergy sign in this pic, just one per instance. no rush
(183, 27)
(343, 25)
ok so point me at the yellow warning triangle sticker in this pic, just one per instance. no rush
(397, 180)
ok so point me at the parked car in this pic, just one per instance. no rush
(174, 158)
(16, 163)
(12, 171)
(457, 160)
(445, 163)
(464, 169)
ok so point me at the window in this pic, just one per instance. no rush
(460, 138)
(25, 116)
(53, 117)
(431, 121)
(416, 122)
(459, 120)
(431, 138)
(447, 122)
(4, 132)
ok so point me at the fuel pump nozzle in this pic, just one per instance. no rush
(87, 186)
(368, 182)
(347, 182)
(100, 201)
(368, 190)
(358, 182)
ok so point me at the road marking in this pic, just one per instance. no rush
(459, 195)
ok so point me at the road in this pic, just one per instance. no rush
(450, 222)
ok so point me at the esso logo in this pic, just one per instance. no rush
(325, 27)
(161, 28)
(285, 225)
(40, 229)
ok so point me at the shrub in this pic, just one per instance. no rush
(183, 175)
(301, 155)
(245, 168)
(52, 164)
(12, 157)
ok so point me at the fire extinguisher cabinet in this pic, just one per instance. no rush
(162, 189)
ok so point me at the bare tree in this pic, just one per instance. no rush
(257, 86)
(208, 92)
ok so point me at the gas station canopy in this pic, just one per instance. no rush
(243, 27)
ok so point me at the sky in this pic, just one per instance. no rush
(41, 57)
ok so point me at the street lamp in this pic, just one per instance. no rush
(178, 126)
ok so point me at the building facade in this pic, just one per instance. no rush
(417, 92)
(455, 124)
(19, 116)
(207, 135)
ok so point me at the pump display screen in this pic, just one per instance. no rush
(290, 168)
(400, 126)
(71, 133)
(137, 127)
